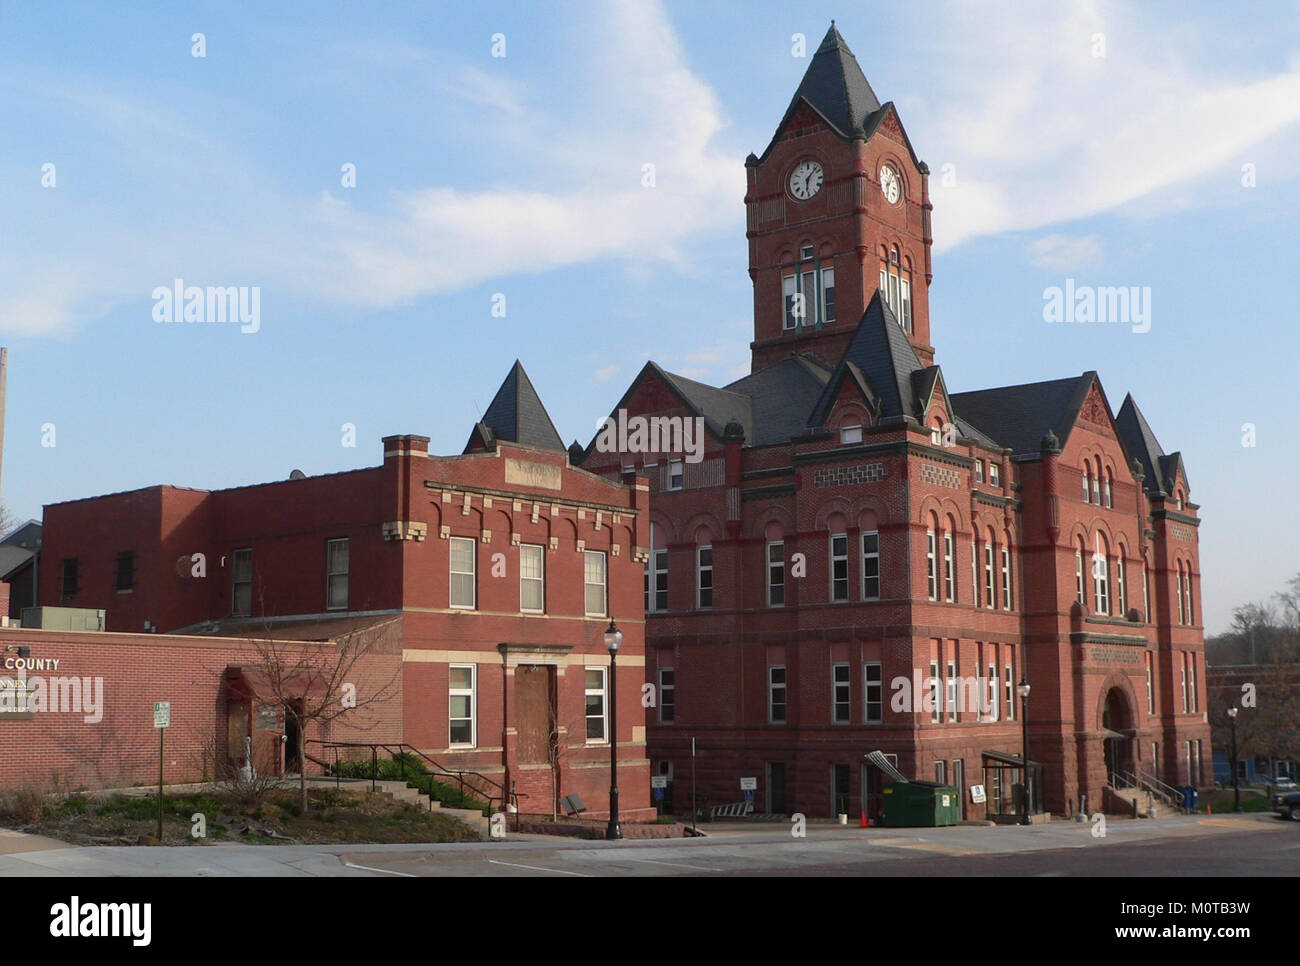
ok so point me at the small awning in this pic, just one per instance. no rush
(1003, 758)
(1107, 733)
(878, 759)
(253, 682)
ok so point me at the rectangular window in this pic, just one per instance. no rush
(460, 706)
(840, 702)
(979, 471)
(776, 694)
(667, 696)
(675, 474)
(871, 565)
(704, 577)
(974, 574)
(991, 683)
(1078, 575)
(1182, 656)
(950, 691)
(1008, 598)
(1121, 584)
(593, 579)
(1101, 582)
(941, 772)
(532, 578)
(1191, 670)
(839, 567)
(1009, 691)
(69, 573)
(124, 572)
(808, 286)
(850, 434)
(660, 560)
(597, 720)
(907, 305)
(949, 576)
(336, 574)
(794, 308)
(462, 556)
(241, 591)
(776, 574)
(936, 695)
(931, 566)
(1151, 686)
(994, 473)
(873, 693)
(828, 295)
(1191, 612)
(990, 592)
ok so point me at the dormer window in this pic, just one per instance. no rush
(850, 434)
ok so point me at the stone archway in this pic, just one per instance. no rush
(1117, 726)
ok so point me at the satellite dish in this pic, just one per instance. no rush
(297, 475)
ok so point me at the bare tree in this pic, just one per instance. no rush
(321, 682)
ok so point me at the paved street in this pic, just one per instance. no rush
(1175, 846)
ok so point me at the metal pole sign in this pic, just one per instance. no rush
(162, 719)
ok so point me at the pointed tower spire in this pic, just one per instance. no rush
(835, 87)
(516, 414)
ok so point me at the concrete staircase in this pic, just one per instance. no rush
(402, 792)
(1120, 802)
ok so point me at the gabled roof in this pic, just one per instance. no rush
(1142, 445)
(717, 406)
(836, 89)
(12, 559)
(516, 414)
(780, 395)
(26, 535)
(882, 353)
(1017, 417)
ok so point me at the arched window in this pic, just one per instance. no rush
(931, 564)
(1087, 481)
(1178, 589)
(1096, 484)
(1101, 576)
(1078, 572)
(1121, 581)
(990, 587)
(1191, 611)
(896, 285)
(1008, 596)
(949, 571)
(936, 432)
(1107, 500)
(808, 287)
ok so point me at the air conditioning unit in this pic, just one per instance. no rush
(65, 618)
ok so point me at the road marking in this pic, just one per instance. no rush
(680, 865)
(538, 868)
(937, 847)
(406, 875)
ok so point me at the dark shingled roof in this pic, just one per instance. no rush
(516, 414)
(1161, 470)
(835, 87)
(780, 395)
(882, 353)
(717, 406)
(1018, 416)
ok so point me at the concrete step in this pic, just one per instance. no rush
(402, 792)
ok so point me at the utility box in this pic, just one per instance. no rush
(920, 805)
(64, 618)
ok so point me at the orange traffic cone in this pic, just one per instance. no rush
(1207, 809)
(863, 823)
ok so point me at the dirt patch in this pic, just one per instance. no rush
(334, 817)
(591, 828)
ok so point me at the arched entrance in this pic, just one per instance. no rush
(1117, 727)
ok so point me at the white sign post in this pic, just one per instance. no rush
(162, 720)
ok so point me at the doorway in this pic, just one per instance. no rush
(776, 787)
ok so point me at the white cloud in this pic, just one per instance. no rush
(1065, 252)
(605, 373)
(1042, 132)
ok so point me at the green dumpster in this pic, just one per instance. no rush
(920, 805)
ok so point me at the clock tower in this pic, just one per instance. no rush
(837, 207)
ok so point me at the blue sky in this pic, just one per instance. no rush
(521, 175)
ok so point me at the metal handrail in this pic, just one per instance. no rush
(440, 770)
(1159, 787)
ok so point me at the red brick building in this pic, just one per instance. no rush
(502, 566)
(853, 528)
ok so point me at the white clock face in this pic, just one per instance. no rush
(890, 186)
(805, 180)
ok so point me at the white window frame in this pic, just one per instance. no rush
(1009, 690)
(949, 568)
(870, 556)
(850, 435)
(1151, 685)
(828, 285)
(472, 573)
(979, 471)
(676, 471)
(1008, 595)
(990, 584)
(667, 688)
(873, 684)
(935, 686)
(838, 558)
(472, 693)
(1078, 574)
(773, 687)
(1101, 579)
(974, 571)
(331, 575)
(777, 565)
(1121, 583)
(950, 690)
(603, 692)
(991, 686)
(539, 580)
(589, 556)
(994, 473)
(838, 669)
(1183, 668)
(931, 564)
(701, 568)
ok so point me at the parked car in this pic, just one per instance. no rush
(1285, 783)
(1288, 805)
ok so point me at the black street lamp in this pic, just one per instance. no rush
(1236, 787)
(613, 638)
(1022, 689)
